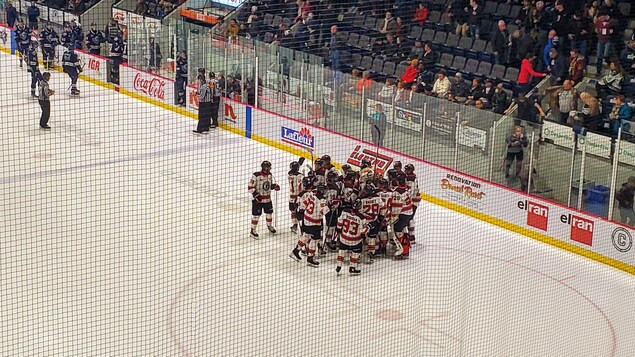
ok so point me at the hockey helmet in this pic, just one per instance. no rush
(365, 163)
(409, 169)
(346, 168)
(397, 165)
(392, 174)
(326, 159)
(383, 183)
(319, 162)
(369, 189)
(321, 189)
(294, 166)
(332, 176)
(266, 166)
(307, 182)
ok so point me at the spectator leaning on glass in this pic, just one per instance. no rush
(379, 124)
(515, 144)
(12, 14)
(624, 199)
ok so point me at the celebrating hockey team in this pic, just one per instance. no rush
(360, 214)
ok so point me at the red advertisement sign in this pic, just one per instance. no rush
(537, 214)
(581, 228)
(381, 161)
(153, 87)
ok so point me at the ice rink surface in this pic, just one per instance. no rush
(124, 234)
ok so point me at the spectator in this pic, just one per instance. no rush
(479, 104)
(401, 29)
(389, 24)
(501, 43)
(460, 88)
(488, 93)
(475, 92)
(527, 45)
(624, 199)
(628, 55)
(611, 83)
(556, 66)
(499, 100)
(538, 16)
(515, 144)
(414, 98)
(604, 26)
(155, 55)
(526, 74)
(387, 91)
(590, 110)
(141, 8)
(524, 15)
(552, 42)
(334, 49)
(379, 124)
(560, 19)
(401, 96)
(417, 51)
(442, 85)
(527, 110)
(12, 14)
(410, 76)
(577, 64)
(460, 17)
(474, 18)
(610, 7)
(620, 115)
(33, 13)
(578, 32)
(429, 57)
(389, 48)
(365, 83)
(421, 14)
(231, 32)
(567, 100)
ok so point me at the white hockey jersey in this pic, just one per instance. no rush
(314, 209)
(295, 186)
(388, 210)
(261, 183)
(413, 184)
(403, 201)
(371, 207)
(352, 228)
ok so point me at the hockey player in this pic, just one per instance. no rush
(49, 40)
(94, 39)
(116, 58)
(403, 206)
(112, 30)
(22, 39)
(124, 54)
(366, 173)
(413, 184)
(387, 212)
(349, 188)
(78, 34)
(72, 67)
(295, 187)
(68, 37)
(333, 199)
(319, 171)
(352, 227)
(311, 211)
(260, 186)
(34, 68)
(180, 81)
(371, 210)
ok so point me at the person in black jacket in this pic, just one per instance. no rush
(557, 67)
(501, 42)
(624, 198)
(12, 14)
(33, 13)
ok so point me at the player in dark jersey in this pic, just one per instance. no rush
(33, 64)
(72, 67)
(48, 40)
(94, 39)
(115, 56)
(22, 39)
(295, 178)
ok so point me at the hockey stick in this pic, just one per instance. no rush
(275, 202)
(376, 127)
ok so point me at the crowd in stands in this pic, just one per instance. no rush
(156, 8)
(480, 53)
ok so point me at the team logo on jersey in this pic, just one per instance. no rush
(622, 239)
(581, 228)
(301, 138)
(382, 162)
(537, 214)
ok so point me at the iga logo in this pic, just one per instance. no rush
(230, 114)
(622, 239)
(381, 161)
(302, 138)
(93, 64)
(537, 214)
(581, 228)
(151, 87)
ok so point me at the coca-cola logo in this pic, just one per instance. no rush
(154, 87)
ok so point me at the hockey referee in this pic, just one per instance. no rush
(204, 93)
(43, 99)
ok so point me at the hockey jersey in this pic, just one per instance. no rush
(371, 207)
(22, 36)
(295, 185)
(261, 184)
(314, 208)
(32, 60)
(116, 48)
(388, 209)
(402, 201)
(181, 68)
(413, 184)
(70, 63)
(49, 39)
(94, 39)
(352, 228)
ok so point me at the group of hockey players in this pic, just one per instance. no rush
(72, 37)
(361, 213)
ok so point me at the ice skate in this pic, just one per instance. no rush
(332, 246)
(338, 270)
(295, 254)
(253, 234)
(354, 271)
(75, 91)
(310, 261)
(294, 228)
(271, 229)
(320, 250)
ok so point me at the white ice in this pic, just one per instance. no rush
(123, 234)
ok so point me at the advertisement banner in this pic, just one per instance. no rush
(562, 135)
(627, 153)
(68, 17)
(472, 137)
(147, 84)
(94, 66)
(56, 16)
(120, 15)
(443, 125)
(408, 119)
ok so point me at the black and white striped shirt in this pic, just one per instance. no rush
(204, 93)
(45, 91)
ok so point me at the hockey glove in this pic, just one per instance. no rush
(256, 196)
(275, 187)
(299, 215)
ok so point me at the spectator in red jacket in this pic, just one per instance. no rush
(411, 73)
(604, 26)
(421, 14)
(577, 64)
(527, 72)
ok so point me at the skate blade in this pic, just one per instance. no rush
(294, 258)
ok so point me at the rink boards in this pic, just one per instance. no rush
(590, 236)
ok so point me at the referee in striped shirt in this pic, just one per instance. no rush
(204, 93)
(43, 99)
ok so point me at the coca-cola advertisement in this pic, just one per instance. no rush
(146, 84)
